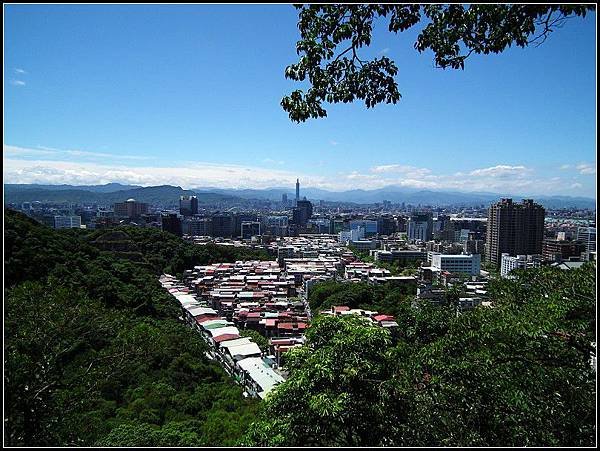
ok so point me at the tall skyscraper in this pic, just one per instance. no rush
(297, 191)
(514, 229)
(188, 205)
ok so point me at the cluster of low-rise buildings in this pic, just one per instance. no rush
(239, 356)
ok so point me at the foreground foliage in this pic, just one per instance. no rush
(94, 350)
(518, 374)
(331, 37)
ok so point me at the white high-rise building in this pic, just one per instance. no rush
(509, 263)
(587, 235)
(351, 235)
(67, 222)
(469, 264)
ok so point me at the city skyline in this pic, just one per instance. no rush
(195, 105)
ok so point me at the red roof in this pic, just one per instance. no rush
(254, 315)
(270, 322)
(302, 325)
(281, 342)
(341, 308)
(286, 326)
(383, 318)
(206, 317)
(225, 337)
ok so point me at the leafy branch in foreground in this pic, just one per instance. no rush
(332, 35)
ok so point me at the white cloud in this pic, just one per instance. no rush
(502, 171)
(54, 166)
(17, 83)
(585, 168)
(384, 50)
(187, 176)
(333, 143)
(565, 166)
(60, 153)
(405, 170)
(19, 71)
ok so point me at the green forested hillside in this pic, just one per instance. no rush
(94, 352)
(517, 374)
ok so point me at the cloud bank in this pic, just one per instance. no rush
(46, 165)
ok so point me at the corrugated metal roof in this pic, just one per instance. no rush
(244, 350)
(195, 311)
(224, 330)
(236, 342)
(226, 337)
(263, 375)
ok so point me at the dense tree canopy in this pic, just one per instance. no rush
(517, 374)
(95, 354)
(94, 350)
(331, 37)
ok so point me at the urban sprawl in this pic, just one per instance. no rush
(428, 247)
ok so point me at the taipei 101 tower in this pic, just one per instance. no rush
(297, 190)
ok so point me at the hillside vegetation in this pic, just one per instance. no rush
(517, 374)
(94, 350)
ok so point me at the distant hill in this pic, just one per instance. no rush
(407, 195)
(169, 195)
(157, 195)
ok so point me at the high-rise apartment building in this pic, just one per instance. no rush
(239, 218)
(67, 222)
(386, 225)
(188, 205)
(303, 212)
(250, 229)
(171, 223)
(130, 209)
(371, 227)
(559, 250)
(587, 236)
(222, 226)
(420, 226)
(514, 229)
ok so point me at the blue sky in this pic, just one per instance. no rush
(189, 95)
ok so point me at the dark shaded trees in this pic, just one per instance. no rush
(95, 353)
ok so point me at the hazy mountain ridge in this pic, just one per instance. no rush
(164, 194)
(168, 194)
(397, 194)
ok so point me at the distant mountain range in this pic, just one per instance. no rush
(165, 195)
(397, 194)
(169, 195)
